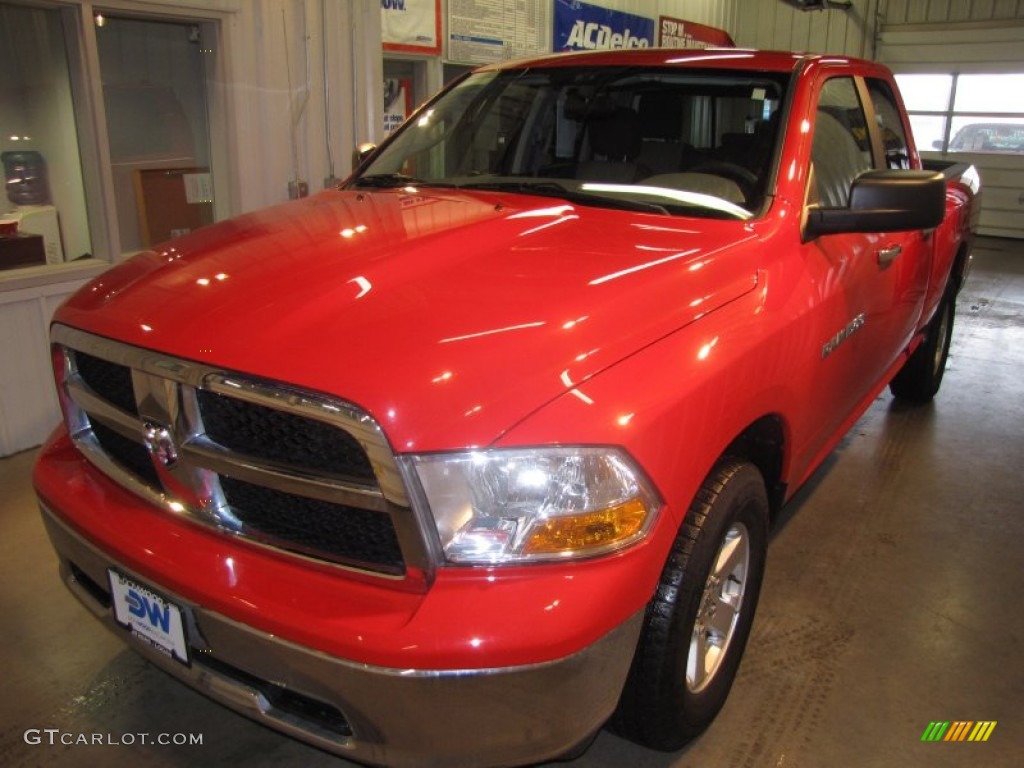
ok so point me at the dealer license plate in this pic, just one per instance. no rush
(148, 616)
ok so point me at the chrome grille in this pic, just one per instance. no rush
(309, 525)
(129, 454)
(113, 381)
(274, 435)
(279, 466)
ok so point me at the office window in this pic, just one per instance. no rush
(44, 206)
(154, 96)
(62, 204)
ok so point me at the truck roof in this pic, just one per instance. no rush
(719, 58)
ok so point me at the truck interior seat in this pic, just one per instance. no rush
(662, 147)
(837, 160)
(737, 148)
(615, 146)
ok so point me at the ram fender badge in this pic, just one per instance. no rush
(851, 328)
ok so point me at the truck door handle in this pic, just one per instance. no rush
(887, 255)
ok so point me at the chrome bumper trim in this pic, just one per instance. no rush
(398, 717)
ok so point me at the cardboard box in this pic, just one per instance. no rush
(22, 250)
(42, 220)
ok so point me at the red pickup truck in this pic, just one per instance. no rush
(461, 461)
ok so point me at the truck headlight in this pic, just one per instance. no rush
(505, 506)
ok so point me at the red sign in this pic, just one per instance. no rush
(677, 33)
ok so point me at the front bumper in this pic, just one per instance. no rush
(400, 717)
(474, 672)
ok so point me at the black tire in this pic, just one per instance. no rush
(667, 700)
(919, 379)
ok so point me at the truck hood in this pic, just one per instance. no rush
(448, 316)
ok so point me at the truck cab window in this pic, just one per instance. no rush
(841, 150)
(887, 115)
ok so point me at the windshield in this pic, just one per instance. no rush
(663, 140)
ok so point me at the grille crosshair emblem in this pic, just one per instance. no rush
(160, 444)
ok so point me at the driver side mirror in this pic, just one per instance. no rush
(884, 201)
(361, 153)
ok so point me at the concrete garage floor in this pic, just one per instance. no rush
(892, 600)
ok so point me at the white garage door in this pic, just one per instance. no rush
(964, 87)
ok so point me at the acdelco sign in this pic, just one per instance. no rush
(591, 35)
(581, 26)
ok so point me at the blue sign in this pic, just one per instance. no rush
(157, 615)
(584, 27)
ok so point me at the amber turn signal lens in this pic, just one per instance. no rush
(589, 530)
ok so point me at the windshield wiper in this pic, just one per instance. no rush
(555, 189)
(393, 180)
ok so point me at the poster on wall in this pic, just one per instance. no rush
(411, 25)
(397, 102)
(679, 33)
(584, 27)
(485, 31)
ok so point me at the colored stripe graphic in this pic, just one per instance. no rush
(958, 730)
(982, 730)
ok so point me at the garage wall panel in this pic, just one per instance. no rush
(714, 13)
(1002, 184)
(947, 48)
(772, 24)
(941, 11)
(28, 402)
(279, 52)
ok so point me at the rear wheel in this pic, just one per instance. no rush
(699, 620)
(920, 377)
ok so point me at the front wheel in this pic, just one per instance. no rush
(697, 625)
(920, 377)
